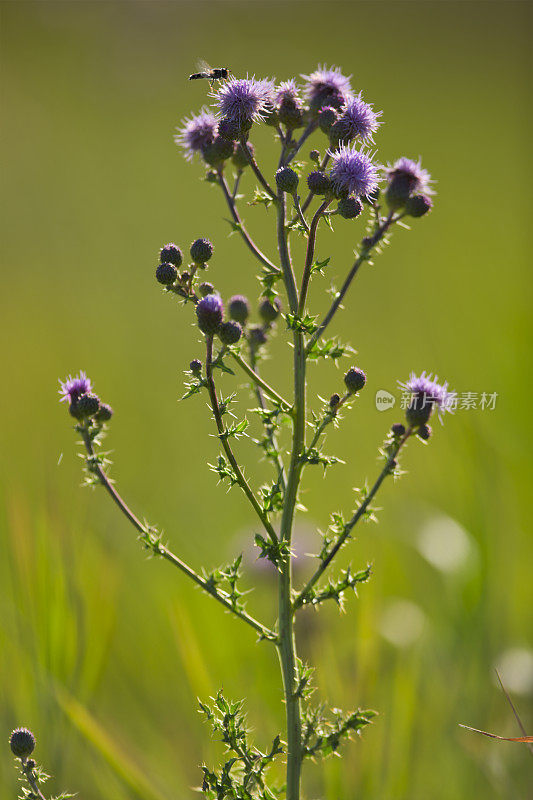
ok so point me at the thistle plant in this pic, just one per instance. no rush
(32, 776)
(341, 184)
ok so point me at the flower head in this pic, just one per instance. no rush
(411, 173)
(197, 132)
(426, 394)
(357, 119)
(245, 100)
(209, 311)
(73, 388)
(353, 171)
(287, 92)
(327, 86)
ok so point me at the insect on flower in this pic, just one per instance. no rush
(212, 75)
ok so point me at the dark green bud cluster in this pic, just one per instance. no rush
(290, 113)
(314, 155)
(287, 180)
(354, 380)
(104, 413)
(195, 366)
(334, 400)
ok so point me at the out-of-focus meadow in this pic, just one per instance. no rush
(103, 653)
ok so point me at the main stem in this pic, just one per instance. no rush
(287, 642)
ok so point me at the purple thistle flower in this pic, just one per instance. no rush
(197, 132)
(73, 388)
(353, 171)
(357, 119)
(288, 92)
(245, 100)
(327, 86)
(418, 179)
(427, 391)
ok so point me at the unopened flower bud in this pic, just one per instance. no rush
(314, 155)
(354, 380)
(209, 312)
(166, 274)
(185, 276)
(269, 311)
(195, 366)
(171, 254)
(398, 191)
(206, 288)
(398, 429)
(228, 129)
(326, 117)
(230, 332)
(319, 183)
(22, 742)
(334, 400)
(211, 176)
(219, 150)
(239, 158)
(424, 432)
(287, 180)
(419, 410)
(418, 205)
(88, 405)
(290, 114)
(104, 413)
(238, 308)
(349, 207)
(257, 335)
(201, 251)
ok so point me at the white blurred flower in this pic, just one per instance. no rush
(402, 623)
(515, 667)
(445, 544)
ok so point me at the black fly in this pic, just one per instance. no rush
(210, 74)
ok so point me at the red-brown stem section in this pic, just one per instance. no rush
(311, 241)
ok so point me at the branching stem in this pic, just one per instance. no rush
(324, 564)
(160, 549)
(241, 480)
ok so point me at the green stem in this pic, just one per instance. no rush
(257, 172)
(268, 390)
(241, 480)
(363, 256)
(160, 549)
(324, 564)
(309, 256)
(269, 428)
(230, 200)
(287, 643)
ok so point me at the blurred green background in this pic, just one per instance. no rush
(103, 653)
